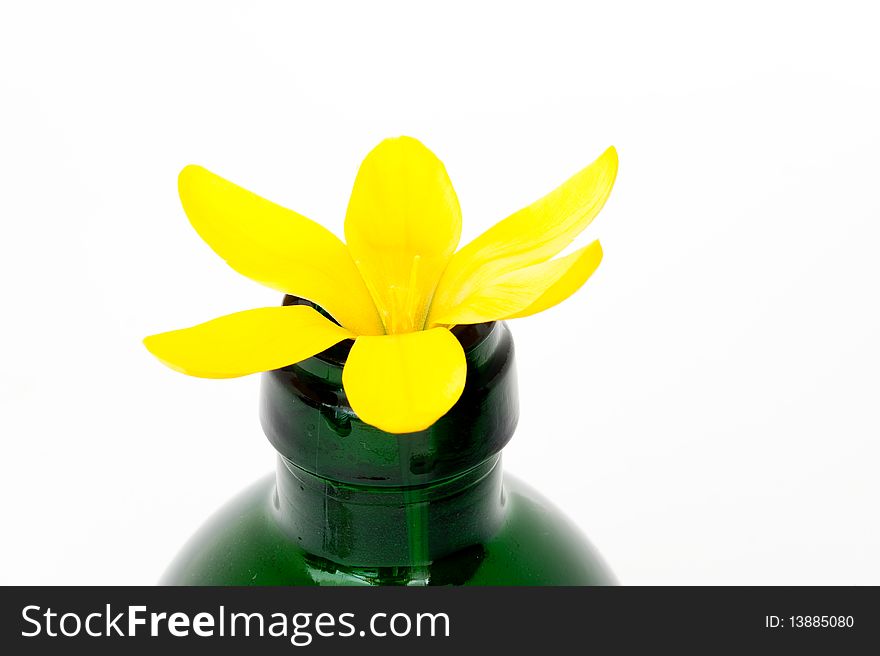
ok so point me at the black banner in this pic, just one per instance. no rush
(106, 620)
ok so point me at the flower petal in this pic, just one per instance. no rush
(278, 248)
(532, 235)
(525, 291)
(405, 382)
(583, 263)
(402, 225)
(247, 342)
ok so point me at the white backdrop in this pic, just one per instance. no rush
(715, 385)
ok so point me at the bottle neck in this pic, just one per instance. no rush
(306, 416)
(375, 527)
(357, 497)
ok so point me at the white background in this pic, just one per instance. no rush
(714, 387)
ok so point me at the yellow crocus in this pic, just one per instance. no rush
(396, 286)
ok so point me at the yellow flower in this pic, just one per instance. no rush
(396, 286)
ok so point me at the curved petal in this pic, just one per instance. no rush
(402, 226)
(532, 235)
(247, 342)
(526, 291)
(585, 262)
(278, 248)
(405, 382)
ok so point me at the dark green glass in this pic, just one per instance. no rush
(352, 505)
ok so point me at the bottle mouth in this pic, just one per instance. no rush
(468, 335)
(307, 418)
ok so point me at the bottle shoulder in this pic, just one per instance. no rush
(540, 544)
(242, 544)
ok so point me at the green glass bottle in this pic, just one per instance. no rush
(352, 505)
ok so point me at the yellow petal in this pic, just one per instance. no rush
(278, 248)
(405, 382)
(247, 342)
(532, 235)
(584, 263)
(526, 291)
(402, 225)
